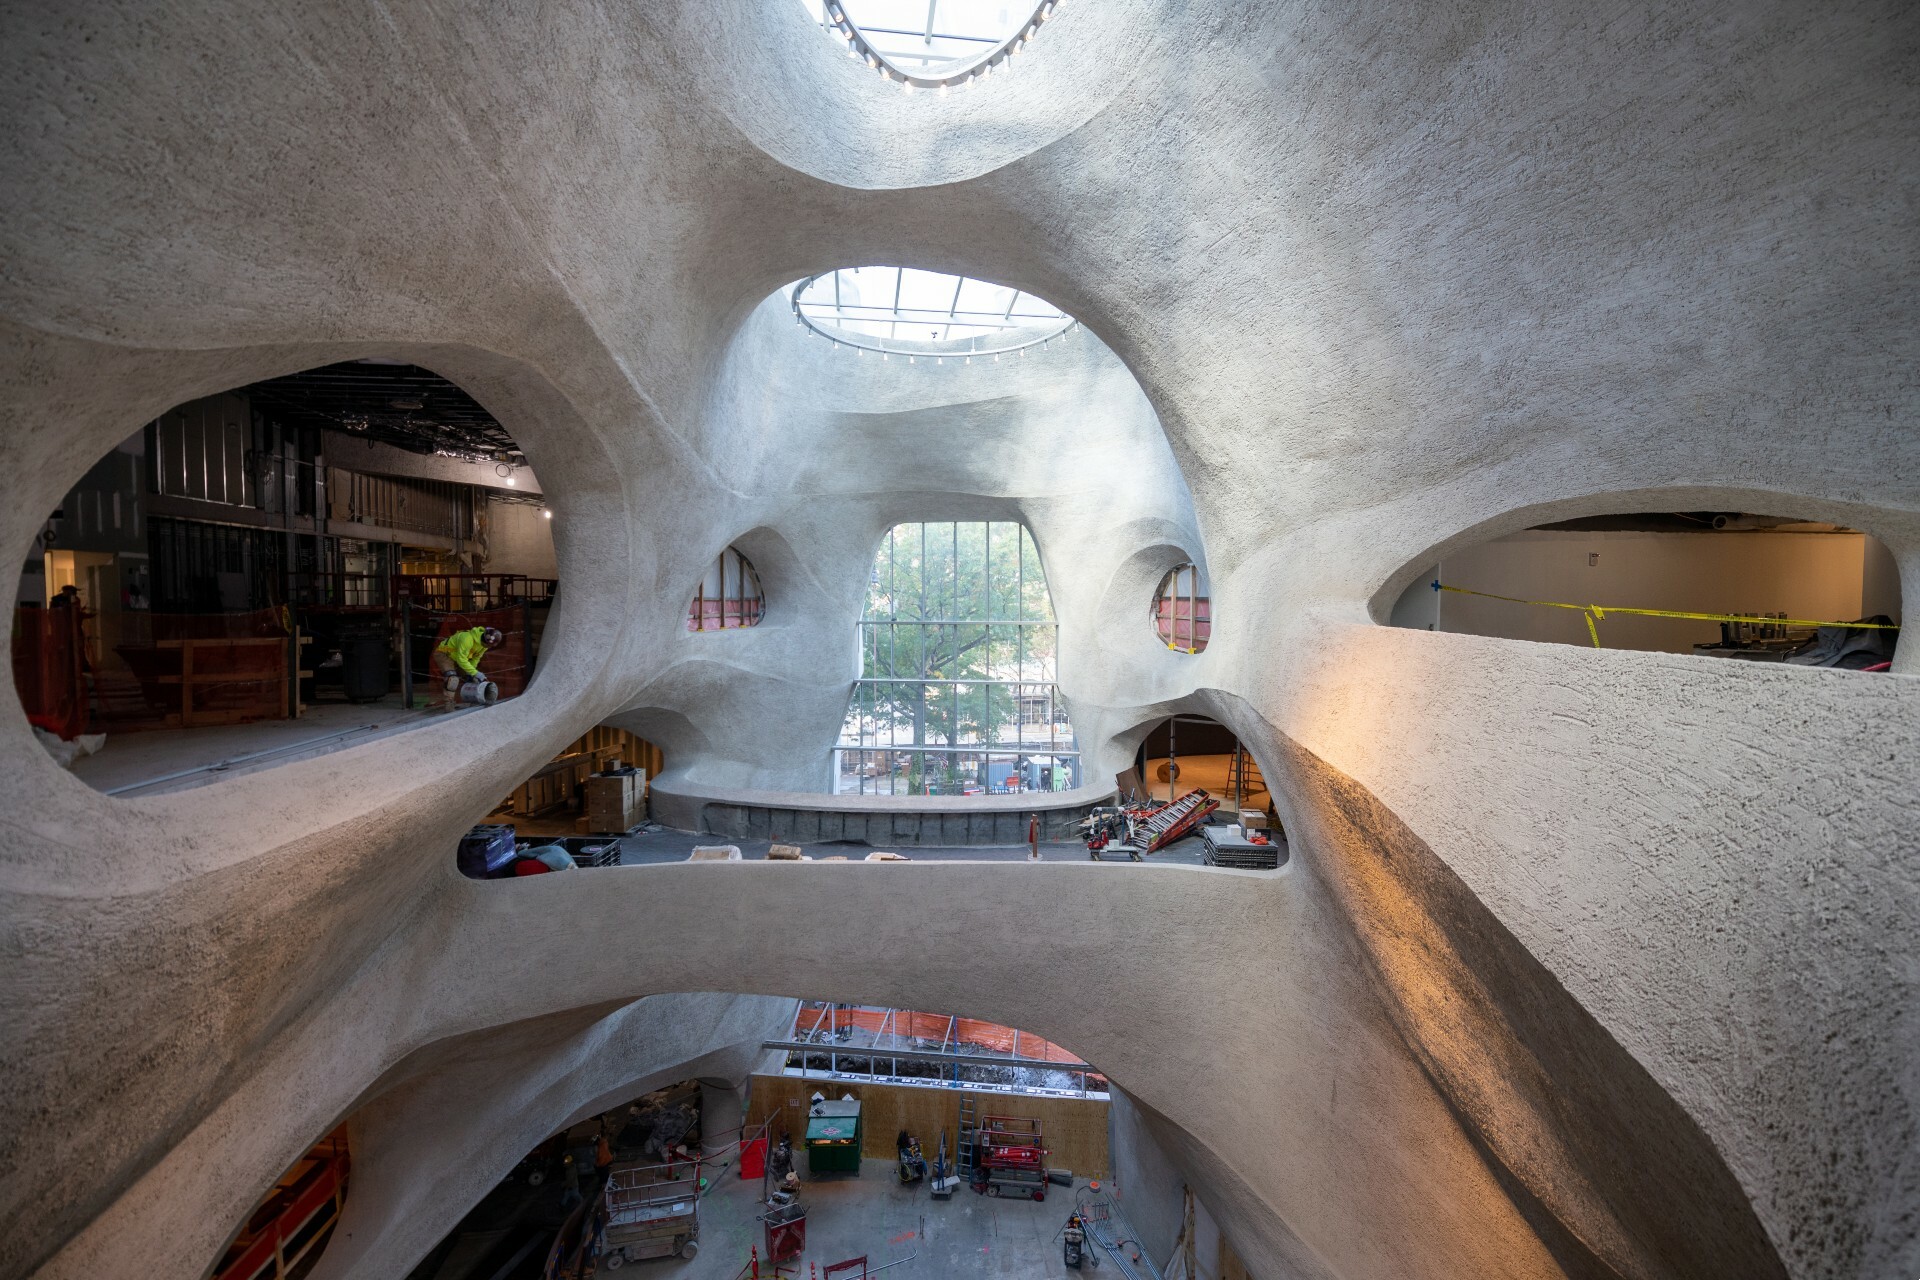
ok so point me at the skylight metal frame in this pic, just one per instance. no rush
(887, 1049)
(955, 75)
(1042, 331)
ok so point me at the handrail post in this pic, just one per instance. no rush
(526, 634)
(406, 652)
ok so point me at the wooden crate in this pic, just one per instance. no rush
(256, 664)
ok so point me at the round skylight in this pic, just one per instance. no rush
(904, 309)
(932, 44)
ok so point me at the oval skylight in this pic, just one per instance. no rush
(932, 44)
(905, 309)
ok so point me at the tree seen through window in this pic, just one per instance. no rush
(957, 693)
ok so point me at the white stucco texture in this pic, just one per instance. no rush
(1586, 963)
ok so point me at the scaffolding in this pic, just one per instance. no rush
(932, 1050)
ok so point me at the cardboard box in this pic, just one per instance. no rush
(616, 801)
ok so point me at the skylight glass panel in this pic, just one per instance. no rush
(905, 307)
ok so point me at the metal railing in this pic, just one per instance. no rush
(471, 592)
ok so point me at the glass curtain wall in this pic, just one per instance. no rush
(958, 691)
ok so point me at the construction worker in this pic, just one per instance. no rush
(457, 659)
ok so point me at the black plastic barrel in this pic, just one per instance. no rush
(363, 672)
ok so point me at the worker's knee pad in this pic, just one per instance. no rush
(453, 682)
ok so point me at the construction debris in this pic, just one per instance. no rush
(715, 853)
(1134, 831)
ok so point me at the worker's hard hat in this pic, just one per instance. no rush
(490, 637)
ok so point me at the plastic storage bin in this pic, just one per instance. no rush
(486, 852)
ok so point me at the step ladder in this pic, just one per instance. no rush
(1244, 777)
(965, 1156)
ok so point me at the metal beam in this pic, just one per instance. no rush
(838, 1050)
(993, 749)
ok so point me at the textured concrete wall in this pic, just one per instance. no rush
(1815, 576)
(1586, 964)
(444, 1126)
(1149, 1186)
(520, 540)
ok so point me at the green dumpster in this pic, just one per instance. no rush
(833, 1138)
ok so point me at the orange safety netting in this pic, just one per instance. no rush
(716, 614)
(135, 669)
(1184, 623)
(957, 1033)
(49, 669)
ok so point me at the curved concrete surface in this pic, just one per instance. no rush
(1586, 963)
(815, 817)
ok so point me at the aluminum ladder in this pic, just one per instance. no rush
(1244, 777)
(964, 1153)
(1168, 817)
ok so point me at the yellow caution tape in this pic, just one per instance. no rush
(1596, 613)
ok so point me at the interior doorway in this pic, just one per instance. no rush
(1184, 752)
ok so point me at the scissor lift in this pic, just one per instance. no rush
(1012, 1156)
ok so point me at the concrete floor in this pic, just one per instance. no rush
(150, 757)
(967, 1235)
(656, 845)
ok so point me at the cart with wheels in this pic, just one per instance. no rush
(1019, 1184)
(785, 1231)
(650, 1213)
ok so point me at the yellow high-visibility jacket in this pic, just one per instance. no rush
(465, 648)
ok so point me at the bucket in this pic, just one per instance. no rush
(482, 693)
